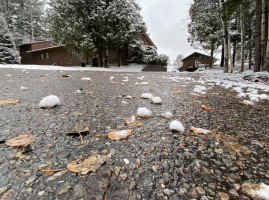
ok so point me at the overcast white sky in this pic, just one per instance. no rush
(167, 25)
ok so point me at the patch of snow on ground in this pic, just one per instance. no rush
(143, 112)
(129, 68)
(122, 133)
(112, 78)
(157, 100)
(176, 126)
(263, 192)
(86, 79)
(248, 102)
(147, 96)
(129, 97)
(144, 83)
(49, 102)
(24, 88)
(199, 89)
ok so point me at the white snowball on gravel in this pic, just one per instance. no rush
(24, 88)
(144, 83)
(177, 126)
(112, 78)
(254, 98)
(157, 100)
(86, 79)
(78, 91)
(49, 102)
(147, 96)
(248, 102)
(143, 112)
(168, 114)
(264, 97)
(129, 97)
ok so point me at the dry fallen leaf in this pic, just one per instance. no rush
(199, 130)
(65, 189)
(80, 128)
(119, 135)
(131, 121)
(20, 141)
(66, 75)
(178, 92)
(10, 101)
(19, 155)
(89, 165)
(207, 108)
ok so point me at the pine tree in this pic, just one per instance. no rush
(94, 27)
(205, 26)
(8, 52)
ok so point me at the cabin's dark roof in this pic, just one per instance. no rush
(195, 53)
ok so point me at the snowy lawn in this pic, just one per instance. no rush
(128, 68)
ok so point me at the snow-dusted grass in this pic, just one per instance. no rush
(128, 68)
(49, 102)
(176, 126)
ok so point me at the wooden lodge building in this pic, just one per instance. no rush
(49, 53)
(190, 63)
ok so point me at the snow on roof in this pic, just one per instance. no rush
(43, 49)
(34, 42)
(193, 54)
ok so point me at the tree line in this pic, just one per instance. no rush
(240, 27)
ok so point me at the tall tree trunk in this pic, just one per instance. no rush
(222, 56)
(225, 34)
(234, 52)
(106, 58)
(100, 58)
(119, 57)
(266, 62)
(242, 38)
(266, 33)
(250, 45)
(230, 54)
(258, 55)
(249, 58)
(212, 55)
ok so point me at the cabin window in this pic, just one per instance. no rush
(73, 52)
(47, 55)
(42, 56)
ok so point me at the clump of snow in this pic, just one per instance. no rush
(122, 133)
(167, 115)
(141, 78)
(24, 88)
(199, 89)
(124, 102)
(127, 162)
(157, 100)
(78, 91)
(144, 83)
(136, 83)
(122, 84)
(242, 95)
(254, 98)
(248, 102)
(143, 112)
(129, 97)
(112, 78)
(264, 97)
(86, 79)
(49, 102)
(263, 192)
(8, 75)
(147, 96)
(176, 126)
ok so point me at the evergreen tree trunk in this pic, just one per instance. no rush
(106, 58)
(119, 57)
(258, 55)
(266, 62)
(266, 33)
(234, 52)
(242, 38)
(212, 55)
(100, 58)
(249, 58)
(222, 56)
(225, 34)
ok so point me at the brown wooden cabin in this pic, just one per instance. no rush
(190, 63)
(49, 53)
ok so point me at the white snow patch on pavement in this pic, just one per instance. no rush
(147, 96)
(86, 79)
(176, 126)
(143, 112)
(157, 100)
(128, 68)
(24, 88)
(49, 102)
